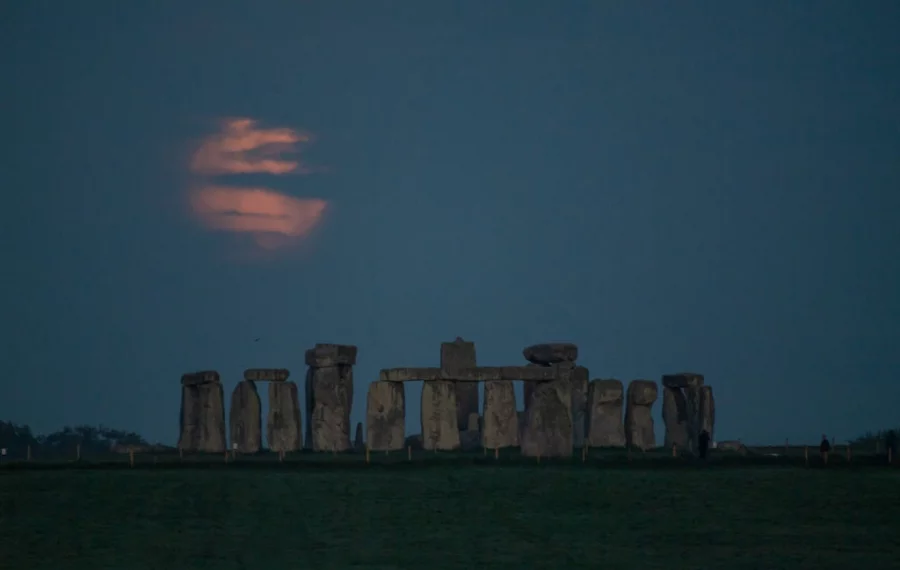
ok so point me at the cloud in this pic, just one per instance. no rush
(243, 148)
(271, 218)
(259, 211)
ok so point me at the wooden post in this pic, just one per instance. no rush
(281, 456)
(484, 450)
(674, 449)
(409, 453)
(131, 458)
(806, 455)
(367, 453)
(496, 453)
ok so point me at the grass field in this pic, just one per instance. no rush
(449, 512)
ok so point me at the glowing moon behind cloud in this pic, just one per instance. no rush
(272, 218)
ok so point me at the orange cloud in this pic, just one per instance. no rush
(243, 148)
(272, 218)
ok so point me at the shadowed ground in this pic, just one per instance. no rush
(442, 511)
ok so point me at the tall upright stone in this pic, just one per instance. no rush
(454, 356)
(708, 411)
(386, 416)
(244, 419)
(501, 423)
(548, 418)
(580, 377)
(202, 421)
(674, 415)
(605, 426)
(284, 431)
(689, 383)
(329, 396)
(440, 427)
(639, 400)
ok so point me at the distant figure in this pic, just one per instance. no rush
(824, 448)
(704, 443)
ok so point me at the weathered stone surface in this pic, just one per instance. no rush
(708, 411)
(674, 415)
(548, 420)
(359, 443)
(202, 377)
(202, 418)
(329, 396)
(244, 418)
(329, 355)
(528, 387)
(605, 426)
(266, 374)
(682, 380)
(580, 377)
(638, 419)
(455, 356)
(473, 422)
(551, 353)
(501, 422)
(692, 396)
(386, 416)
(440, 429)
(284, 431)
(478, 374)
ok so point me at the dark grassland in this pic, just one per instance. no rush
(463, 512)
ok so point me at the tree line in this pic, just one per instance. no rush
(20, 440)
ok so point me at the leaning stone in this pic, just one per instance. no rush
(439, 427)
(501, 422)
(605, 427)
(266, 374)
(551, 353)
(244, 419)
(579, 405)
(682, 380)
(329, 396)
(284, 431)
(674, 415)
(457, 356)
(359, 443)
(386, 416)
(638, 420)
(197, 378)
(328, 355)
(548, 424)
(708, 411)
(202, 418)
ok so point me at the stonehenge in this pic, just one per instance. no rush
(329, 395)
(563, 407)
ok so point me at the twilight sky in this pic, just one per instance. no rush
(699, 186)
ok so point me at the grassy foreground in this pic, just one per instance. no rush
(448, 513)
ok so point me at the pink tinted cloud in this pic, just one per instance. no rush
(272, 218)
(241, 147)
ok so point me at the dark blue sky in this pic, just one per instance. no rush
(697, 186)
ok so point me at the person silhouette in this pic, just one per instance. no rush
(704, 443)
(824, 448)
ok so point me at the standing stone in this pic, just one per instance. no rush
(359, 443)
(244, 419)
(386, 416)
(329, 396)
(202, 413)
(692, 396)
(548, 419)
(580, 377)
(708, 411)
(501, 423)
(605, 427)
(454, 356)
(529, 386)
(283, 426)
(674, 415)
(440, 429)
(638, 420)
